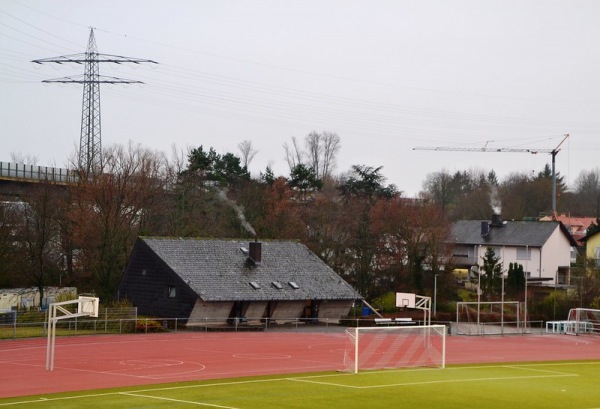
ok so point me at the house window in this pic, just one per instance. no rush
(464, 252)
(172, 291)
(597, 256)
(523, 253)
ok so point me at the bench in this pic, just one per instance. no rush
(394, 321)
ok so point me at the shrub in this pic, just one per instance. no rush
(149, 326)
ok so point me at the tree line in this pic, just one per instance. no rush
(361, 226)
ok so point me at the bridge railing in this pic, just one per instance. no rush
(10, 170)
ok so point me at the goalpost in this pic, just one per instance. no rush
(369, 348)
(86, 307)
(490, 318)
(583, 320)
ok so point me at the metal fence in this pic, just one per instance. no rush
(120, 322)
(42, 173)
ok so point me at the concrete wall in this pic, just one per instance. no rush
(334, 309)
(288, 311)
(256, 310)
(216, 312)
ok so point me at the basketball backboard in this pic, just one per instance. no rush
(405, 300)
(88, 305)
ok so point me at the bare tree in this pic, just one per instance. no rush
(113, 208)
(37, 235)
(587, 188)
(314, 147)
(331, 147)
(320, 154)
(24, 159)
(293, 154)
(248, 152)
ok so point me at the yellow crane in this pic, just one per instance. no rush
(552, 152)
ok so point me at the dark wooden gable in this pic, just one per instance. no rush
(152, 286)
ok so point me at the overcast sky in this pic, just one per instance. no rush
(386, 76)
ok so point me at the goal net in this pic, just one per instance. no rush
(369, 348)
(490, 318)
(583, 320)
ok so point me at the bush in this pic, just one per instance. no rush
(386, 303)
(149, 326)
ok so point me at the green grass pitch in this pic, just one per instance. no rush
(561, 385)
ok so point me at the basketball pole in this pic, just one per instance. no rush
(86, 307)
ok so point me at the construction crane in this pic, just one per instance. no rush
(552, 152)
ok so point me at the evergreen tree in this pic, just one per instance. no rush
(491, 280)
(515, 280)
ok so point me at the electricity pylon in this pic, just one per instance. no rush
(552, 152)
(90, 140)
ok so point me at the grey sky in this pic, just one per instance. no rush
(386, 76)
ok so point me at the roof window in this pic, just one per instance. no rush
(255, 285)
(293, 285)
(277, 285)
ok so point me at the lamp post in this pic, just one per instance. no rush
(502, 308)
(435, 294)
(526, 277)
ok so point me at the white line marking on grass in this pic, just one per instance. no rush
(526, 368)
(177, 400)
(566, 363)
(42, 399)
(499, 378)
(324, 383)
(139, 391)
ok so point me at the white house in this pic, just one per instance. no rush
(542, 248)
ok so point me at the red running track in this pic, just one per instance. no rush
(105, 361)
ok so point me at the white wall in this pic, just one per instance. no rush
(555, 253)
(543, 262)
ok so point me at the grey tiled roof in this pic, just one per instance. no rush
(512, 233)
(217, 270)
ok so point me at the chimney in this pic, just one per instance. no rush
(485, 229)
(255, 251)
(497, 220)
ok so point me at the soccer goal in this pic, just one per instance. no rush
(490, 318)
(369, 348)
(583, 320)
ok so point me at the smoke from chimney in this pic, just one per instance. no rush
(239, 211)
(495, 202)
